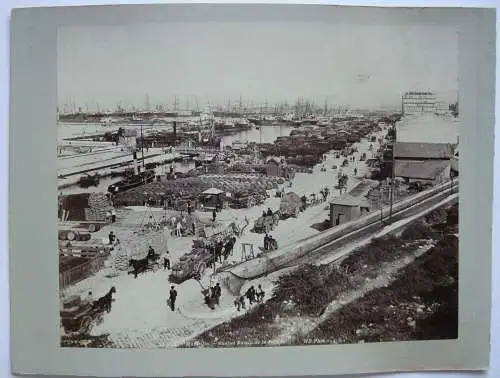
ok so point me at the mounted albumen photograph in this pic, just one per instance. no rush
(245, 184)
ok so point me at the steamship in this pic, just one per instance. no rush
(132, 181)
(135, 180)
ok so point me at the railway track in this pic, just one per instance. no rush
(361, 231)
(371, 229)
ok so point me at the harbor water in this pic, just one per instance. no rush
(264, 134)
(104, 182)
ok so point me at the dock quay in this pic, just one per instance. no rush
(119, 160)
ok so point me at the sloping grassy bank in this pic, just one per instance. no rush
(421, 304)
(307, 291)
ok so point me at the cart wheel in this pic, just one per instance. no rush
(202, 268)
(92, 227)
(85, 325)
(99, 319)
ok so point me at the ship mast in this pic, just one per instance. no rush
(212, 123)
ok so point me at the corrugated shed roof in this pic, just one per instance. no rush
(425, 170)
(348, 200)
(423, 150)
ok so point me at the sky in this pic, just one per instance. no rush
(349, 64)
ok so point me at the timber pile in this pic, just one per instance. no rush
(192, 187)
(305, 146)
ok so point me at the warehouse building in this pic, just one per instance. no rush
(423, 162)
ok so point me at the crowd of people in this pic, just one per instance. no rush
(212, 296)
(252, 295)
(270, 244)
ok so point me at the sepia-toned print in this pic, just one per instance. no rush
(257, 184)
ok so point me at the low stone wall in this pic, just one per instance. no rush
(279, 258)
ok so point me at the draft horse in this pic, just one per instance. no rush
(138, 266)
(104, 303)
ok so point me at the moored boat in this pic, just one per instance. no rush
(132, 182)
(89, 180)
(255, 121)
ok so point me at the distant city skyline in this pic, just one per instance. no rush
(349, 64)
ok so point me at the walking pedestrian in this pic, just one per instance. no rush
(218, 293)
(355, 171)
(166, 262)
(111, 238)
(113, 216)
(237, 304)
(214, 215)
(179, 230)
(260, 294)
(250, 294)
(172, 298)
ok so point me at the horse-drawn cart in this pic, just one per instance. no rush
(204, 254)
(78, 317)
(149, 263)
(290, 205)
(266, 223)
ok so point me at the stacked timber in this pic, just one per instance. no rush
(191, 188)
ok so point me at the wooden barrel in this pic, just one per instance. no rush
(81, 234)
(93, 227)
(62, 235)
(84, 236)
(73, 235)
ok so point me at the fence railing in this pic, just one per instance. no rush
(80, 272)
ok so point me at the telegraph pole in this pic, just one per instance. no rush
(393, 170)
(142, 150)
(381, 203)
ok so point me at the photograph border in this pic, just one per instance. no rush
(35, 334)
